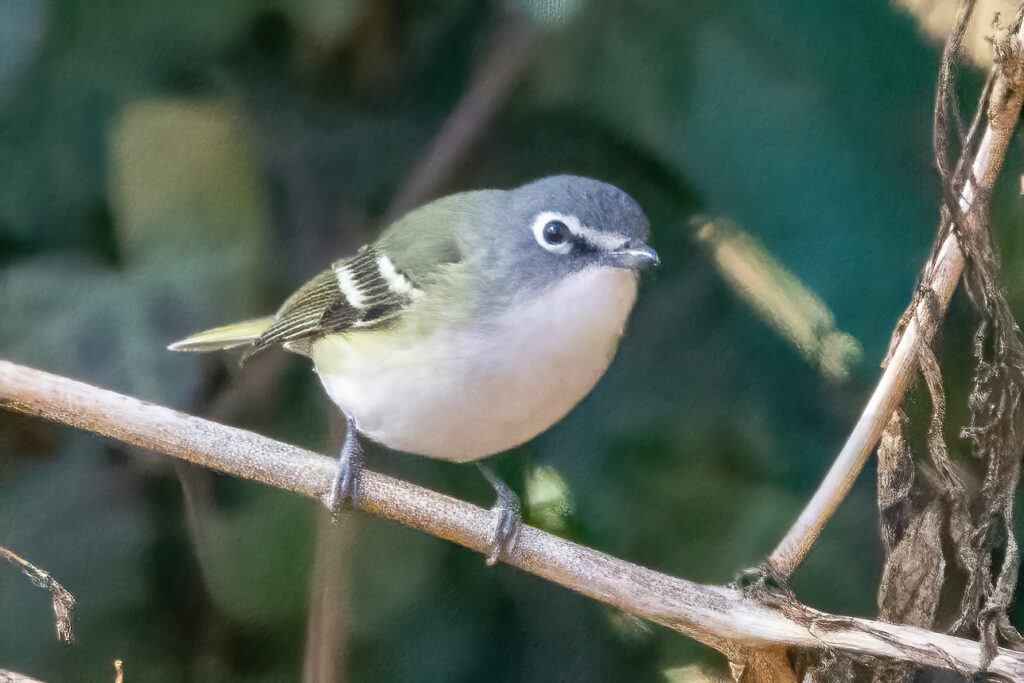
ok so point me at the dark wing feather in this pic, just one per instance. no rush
(321, 307)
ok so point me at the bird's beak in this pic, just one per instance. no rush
(634, 257)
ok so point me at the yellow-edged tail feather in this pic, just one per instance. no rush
(226, 337)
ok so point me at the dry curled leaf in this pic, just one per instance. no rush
(63, 600)
(938, 17)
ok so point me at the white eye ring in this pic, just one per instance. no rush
(549, 223)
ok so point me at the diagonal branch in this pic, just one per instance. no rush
(493, 80)
(942, 273)
(723, 618)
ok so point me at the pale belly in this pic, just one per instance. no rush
(462, 395)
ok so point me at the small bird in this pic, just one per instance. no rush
(473, 323)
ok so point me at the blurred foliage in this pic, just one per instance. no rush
(547, 500)
(780, 298)
(168, 166)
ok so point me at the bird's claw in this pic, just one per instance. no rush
(508, 519)
(346, 488)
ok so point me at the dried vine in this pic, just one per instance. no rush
(977, 520)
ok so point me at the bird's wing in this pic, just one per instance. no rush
(361, 291)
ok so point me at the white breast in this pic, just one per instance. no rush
(465, 394)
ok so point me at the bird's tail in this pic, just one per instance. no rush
(227, 337)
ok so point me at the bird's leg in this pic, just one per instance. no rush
(348, 476)
(508, 519)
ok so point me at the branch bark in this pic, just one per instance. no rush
(7, 676)
(942, 274)
(721, 617)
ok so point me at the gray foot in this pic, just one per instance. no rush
(348, 476)
(508, 519)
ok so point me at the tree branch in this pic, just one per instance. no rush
(942, 273)
(723, 618)
(7, 676)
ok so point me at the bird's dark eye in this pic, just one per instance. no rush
(552, 231)
(556, 232)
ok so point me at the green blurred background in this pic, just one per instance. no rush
(170, 166)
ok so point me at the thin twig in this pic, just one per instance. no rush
(510, 52)
(62, 599)
(723, 618)
(942, 275)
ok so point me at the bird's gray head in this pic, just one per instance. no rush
(563, 224)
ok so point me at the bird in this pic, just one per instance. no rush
(474, 323)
